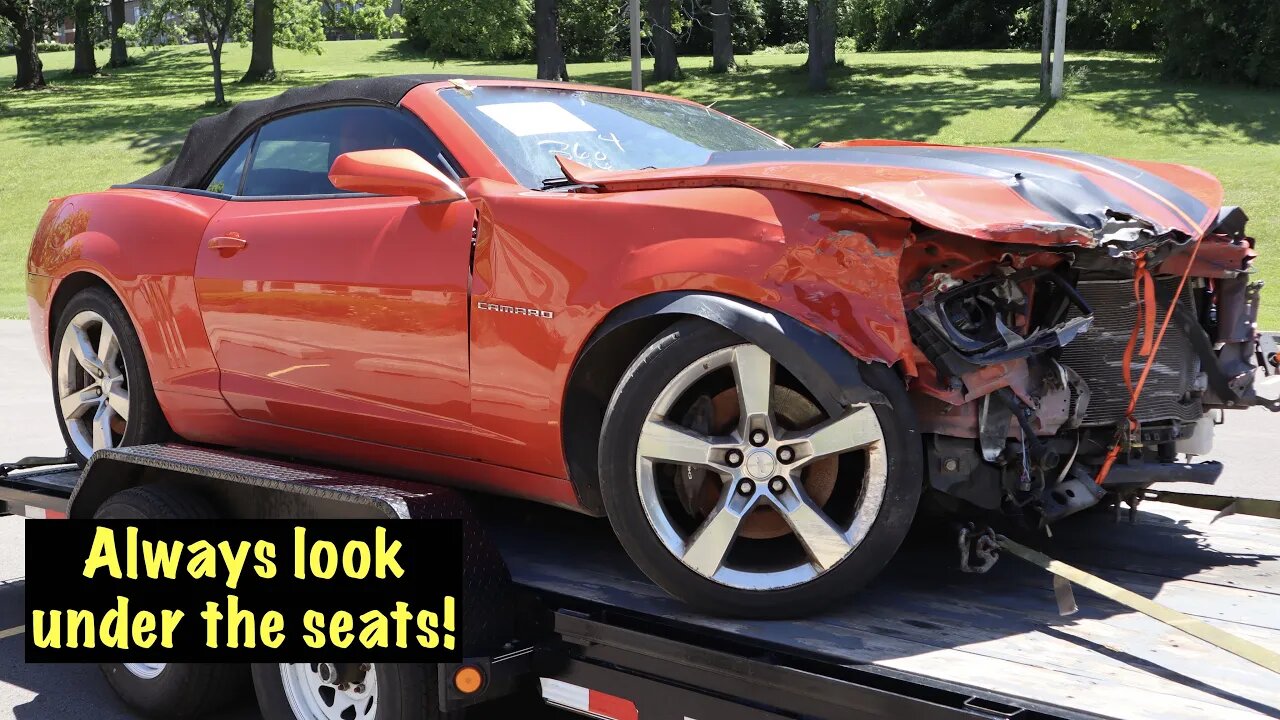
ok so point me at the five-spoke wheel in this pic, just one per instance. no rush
(759, 466)
(101, 384)
(731, 487)
(93, 383)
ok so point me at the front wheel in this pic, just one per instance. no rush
(352, 691)
(730, 488)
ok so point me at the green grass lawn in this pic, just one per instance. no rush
(87, 134)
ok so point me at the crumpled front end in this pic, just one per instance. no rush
(1076, 322)
(1050, 381)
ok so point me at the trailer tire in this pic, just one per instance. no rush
(155, 502)
(404, 691)
(170, 690)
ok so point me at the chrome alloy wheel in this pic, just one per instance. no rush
(327, 691)
(757, 466)
(93, 383)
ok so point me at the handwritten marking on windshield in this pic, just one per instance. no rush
(613, 138)
(579, 153)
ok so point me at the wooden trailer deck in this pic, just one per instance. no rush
(999, 631)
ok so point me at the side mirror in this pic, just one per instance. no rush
(394, 171)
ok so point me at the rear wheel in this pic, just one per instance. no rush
(729, 486)
(102, 389)
(169, 690)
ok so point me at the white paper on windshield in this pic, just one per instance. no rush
(534, 118)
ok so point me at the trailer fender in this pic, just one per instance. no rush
(253, 488)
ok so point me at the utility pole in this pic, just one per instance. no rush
(1059, 48)
(637, 83)
(1046, 45)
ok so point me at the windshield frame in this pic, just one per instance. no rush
(559, 182)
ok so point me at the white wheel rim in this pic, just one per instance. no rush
(93, 384)
(146, 671)
(312, 698)
(759, 477)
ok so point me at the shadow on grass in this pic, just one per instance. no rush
(399, 52)
(1035, 120)
(151, 104)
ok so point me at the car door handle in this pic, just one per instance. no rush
(228, 243)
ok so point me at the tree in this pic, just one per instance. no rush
(119, 48)
(666, 66)
(494, 29)
(85, 15)
(785, 21)
(208, 21)
(721, 37)
(262, 61)
(746, 29)
(21, 14)
(592, 29)
(292, 24)
(1223, 41)
(351, 20)
(546, 20)
(822, 42)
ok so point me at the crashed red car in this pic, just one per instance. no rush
(755, 360)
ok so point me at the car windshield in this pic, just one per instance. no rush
(527, 128)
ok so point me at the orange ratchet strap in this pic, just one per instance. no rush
(1144, 292)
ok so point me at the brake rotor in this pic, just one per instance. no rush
(699, 489)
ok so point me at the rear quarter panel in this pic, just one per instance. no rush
(829, 263)
(142, 244)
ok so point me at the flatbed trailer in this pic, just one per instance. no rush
(923, 641)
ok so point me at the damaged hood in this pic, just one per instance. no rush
(1038, 196)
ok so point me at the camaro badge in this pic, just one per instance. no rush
(514, 310)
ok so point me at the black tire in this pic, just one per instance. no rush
(146, 423)
(180, 690)
(405, 691)
(678, 347)
(156, 502)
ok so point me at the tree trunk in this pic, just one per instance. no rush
(30, 68)
(546, 18)
(665, 64)
(86, 63)
(822, 42)
(262, 66)
(722, 37)
(119, 51)
(816, 63)
(215, 52)
(829, 32)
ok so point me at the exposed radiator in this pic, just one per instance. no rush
(1099, 353)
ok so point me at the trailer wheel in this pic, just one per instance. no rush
(729, 486)
(169, 690)
(350, 691)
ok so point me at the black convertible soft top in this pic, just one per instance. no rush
(211, 138)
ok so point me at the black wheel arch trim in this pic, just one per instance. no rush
(825, 367)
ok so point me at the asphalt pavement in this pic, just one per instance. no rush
(1248, 444)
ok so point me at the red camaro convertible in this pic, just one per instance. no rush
(755, 360)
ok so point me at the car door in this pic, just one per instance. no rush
(335, 312)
